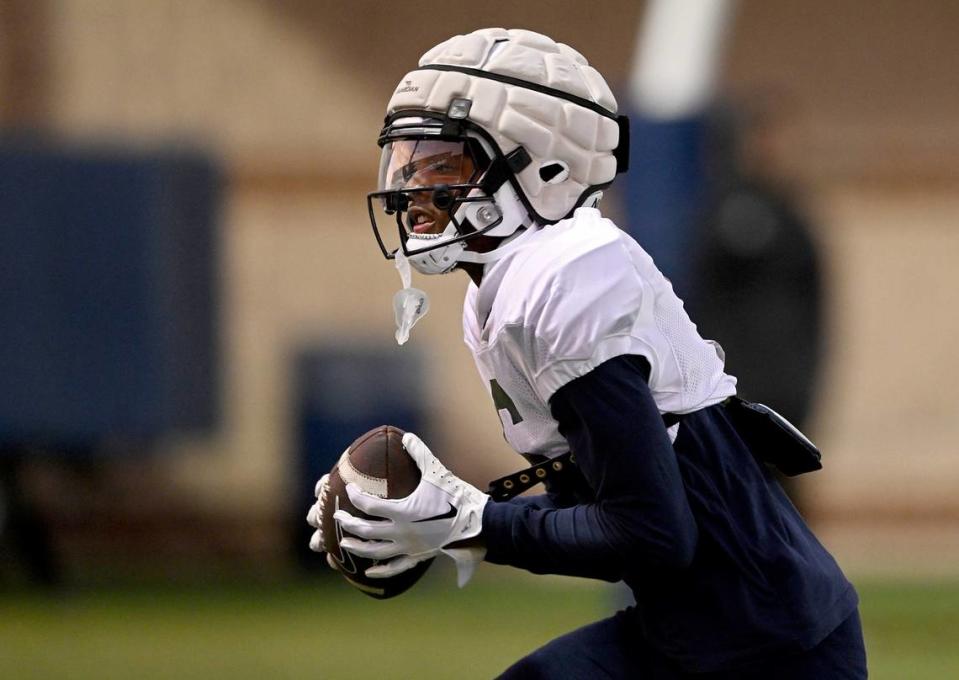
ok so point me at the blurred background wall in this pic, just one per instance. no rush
(288, 96)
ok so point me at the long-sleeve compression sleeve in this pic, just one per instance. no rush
(640, 513)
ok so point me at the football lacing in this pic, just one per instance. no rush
(321, 501)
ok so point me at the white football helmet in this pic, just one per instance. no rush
(495, 131)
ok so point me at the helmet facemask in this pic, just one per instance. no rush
(431, 194)
(546, 120)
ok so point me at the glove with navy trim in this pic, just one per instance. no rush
(442, 511)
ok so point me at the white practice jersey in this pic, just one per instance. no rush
(567, 298)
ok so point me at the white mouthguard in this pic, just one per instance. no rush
(409, 304)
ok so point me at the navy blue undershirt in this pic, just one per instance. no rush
(723, 568)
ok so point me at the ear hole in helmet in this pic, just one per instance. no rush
(553, 172)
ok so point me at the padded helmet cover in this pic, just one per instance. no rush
(572, 143)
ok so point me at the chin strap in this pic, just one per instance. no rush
(509, 245)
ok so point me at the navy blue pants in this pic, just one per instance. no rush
(613, 648)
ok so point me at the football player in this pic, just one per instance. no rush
(495, 154)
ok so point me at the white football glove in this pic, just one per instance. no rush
(313, 518)
(443, 509)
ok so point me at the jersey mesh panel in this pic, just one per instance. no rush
(691, 358)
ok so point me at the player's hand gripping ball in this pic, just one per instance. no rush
(378, 464)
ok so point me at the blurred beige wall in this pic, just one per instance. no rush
(872, 82)
(888, 412)
(290, 95)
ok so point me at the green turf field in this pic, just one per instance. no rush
(323, 630)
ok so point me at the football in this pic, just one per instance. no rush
(378, 464)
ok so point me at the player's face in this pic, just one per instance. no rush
(426, 163)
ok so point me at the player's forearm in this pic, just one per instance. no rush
(638, 514)
(545, 542)
(594, 540)
(502, 526)
(539, 501)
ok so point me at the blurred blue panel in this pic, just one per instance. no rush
(665, 190)
(346, 390)
(107, 293)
